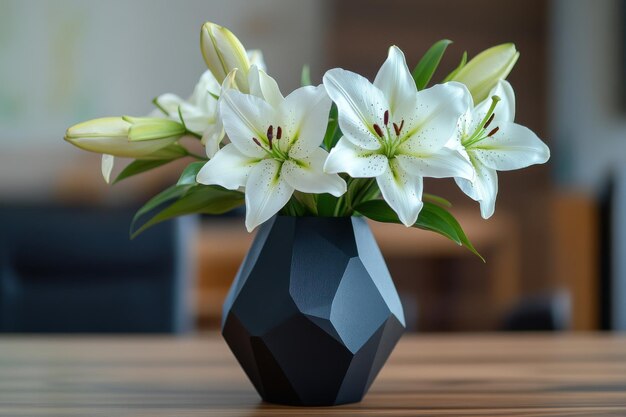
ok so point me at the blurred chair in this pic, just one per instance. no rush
(541, 312)
(74, 269)
(612, 297)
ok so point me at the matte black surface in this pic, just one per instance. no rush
(313, 313)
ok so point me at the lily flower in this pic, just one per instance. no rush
(394, 133)
(200, 111)
(274, 149)
(491, 142)
(129, 137)
(223, 52)
(132, 137)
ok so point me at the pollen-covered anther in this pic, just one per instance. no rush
(397, 129)
(255, 140)
(378, 131)
(493, 132)
(386, 117)
(279, 132)
(270, 132)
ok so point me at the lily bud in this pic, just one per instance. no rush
(125, 137)
(223, 52)
(482, 73)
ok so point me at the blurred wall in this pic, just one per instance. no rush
(587, 121)
(64, 61)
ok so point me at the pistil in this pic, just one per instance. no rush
(479, 133)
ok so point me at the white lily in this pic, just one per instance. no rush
(200, 110)
(394, 133)
(274, 149)
(259, 84)
(490, 140)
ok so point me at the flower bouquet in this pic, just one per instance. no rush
(309, 167)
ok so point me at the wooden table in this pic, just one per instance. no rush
(467, 375)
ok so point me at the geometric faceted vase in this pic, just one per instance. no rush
(313, 314)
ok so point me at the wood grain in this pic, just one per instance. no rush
(470, 375)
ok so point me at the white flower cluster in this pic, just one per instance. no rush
(390, 131)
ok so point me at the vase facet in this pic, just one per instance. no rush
(313, 314)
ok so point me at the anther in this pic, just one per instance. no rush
(490, 120)
(270, 133)
(378, 130)
(396, 128)
(257, 142)
(386, 117)
(493, 132)
(279, 132)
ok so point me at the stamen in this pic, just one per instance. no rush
(270, 133)
(396, 128)
(378, 130)
(490, 120)
(493, 132)
(386, 117)
(401, 125)
(279, 132)
(257, 142)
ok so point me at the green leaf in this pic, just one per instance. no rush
(326, 204)
(457, 69)
(152, 161)
(333, 133)
(206, 199)
(425, 69)
(138, 166)
(436, 199)
(190, 172)
(171, 193)
(305, 76)
(432, 218)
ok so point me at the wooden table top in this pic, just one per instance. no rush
(466, 375)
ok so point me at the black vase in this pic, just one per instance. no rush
(313, 314)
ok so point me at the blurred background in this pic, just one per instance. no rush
(555, 249)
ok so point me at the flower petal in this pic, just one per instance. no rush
(512, 147)
(255, 56)
(204, 92)
(168, 103)
(212, 137)
(195, 120)
(267, 192)
(356, 161)
(484, 188)
(360, 105)
(505, 108)
(402, 191)
(245, 117)
(228, 168)
(435, 119)
(305, 115)
(307, 175)
(444, 163)
(397, 84)
(264, 86)
(107, 166)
